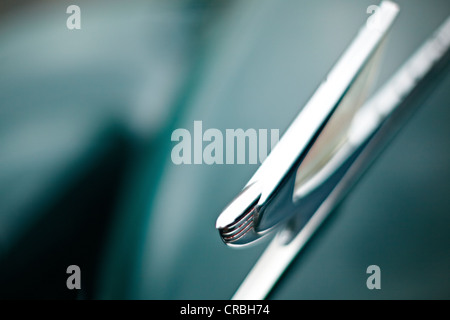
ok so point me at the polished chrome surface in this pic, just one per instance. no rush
(377, 121)
(267, 199)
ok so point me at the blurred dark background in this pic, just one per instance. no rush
(86, 176)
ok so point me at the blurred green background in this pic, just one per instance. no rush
(86, 177)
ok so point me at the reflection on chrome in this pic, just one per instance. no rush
(308, 144)
(282, 197)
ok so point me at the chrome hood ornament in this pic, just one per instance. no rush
(315, 163)
(293, 181)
